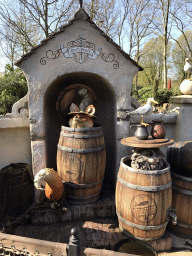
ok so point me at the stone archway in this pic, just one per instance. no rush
(105, 112)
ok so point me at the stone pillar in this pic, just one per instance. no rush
(123, 125)
(183, 129)
(38, 149)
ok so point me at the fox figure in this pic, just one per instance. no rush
(81, 119)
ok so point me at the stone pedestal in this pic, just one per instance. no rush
(183, 128)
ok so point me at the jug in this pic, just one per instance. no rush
(141, 132)
(158, 129)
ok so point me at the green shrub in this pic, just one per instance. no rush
(176, 91)
(144, 93)
(134, 93)
(13, 86)
(163, 96)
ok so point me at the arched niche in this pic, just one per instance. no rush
(105, 112)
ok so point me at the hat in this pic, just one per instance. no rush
(90, 110)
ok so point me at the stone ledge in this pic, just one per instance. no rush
(167, 118)
(182, 99)
(13, 122)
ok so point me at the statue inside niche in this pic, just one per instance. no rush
(86, 101)
(148, 159)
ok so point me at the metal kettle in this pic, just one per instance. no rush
(140, 132)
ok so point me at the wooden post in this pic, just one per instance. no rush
(169, 84)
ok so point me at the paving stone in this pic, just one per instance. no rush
(164, 243)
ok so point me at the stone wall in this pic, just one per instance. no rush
(15, 143)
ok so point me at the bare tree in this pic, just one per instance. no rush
(183, 23)
(29, 21)
(152, 61)
(17, 20)
(137, 26)
(9, 47)
(181, 49)
(48, 14)
(163, 24)
(137, 22)
(105, 13)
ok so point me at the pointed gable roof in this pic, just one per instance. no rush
(80, 15)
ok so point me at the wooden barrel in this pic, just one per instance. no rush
(179, 157)
(81, 158)
(182, 202)
(143, 200)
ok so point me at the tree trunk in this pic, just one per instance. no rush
(165, 66)
(46, 19)
(166, 20)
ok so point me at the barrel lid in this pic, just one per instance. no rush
(149, 143)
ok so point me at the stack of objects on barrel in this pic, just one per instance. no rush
(144, 185)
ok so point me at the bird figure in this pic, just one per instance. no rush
(188, 66)
(145, 110)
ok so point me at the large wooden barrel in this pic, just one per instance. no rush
(143, 200)
(179, 157)
(81, 158)
(182, 202)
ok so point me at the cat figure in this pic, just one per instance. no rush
(81, 119)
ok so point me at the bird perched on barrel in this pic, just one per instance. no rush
(145, 110)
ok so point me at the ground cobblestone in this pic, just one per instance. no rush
(99, 233)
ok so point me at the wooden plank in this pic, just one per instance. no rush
(150, 143)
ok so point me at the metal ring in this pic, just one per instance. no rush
(144, 188)
(83, 130)
(184, 225)
(181, 177)
(182, 191)
(141, 227)
(83, 186)
(82, 197)
(96, 135)
(81, 151)
(148, 172)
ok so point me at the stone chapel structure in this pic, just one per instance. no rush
(78, 54)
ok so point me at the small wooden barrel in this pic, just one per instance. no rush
(81, 158)
(182, 202)
(179, 156)
(143, 200)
